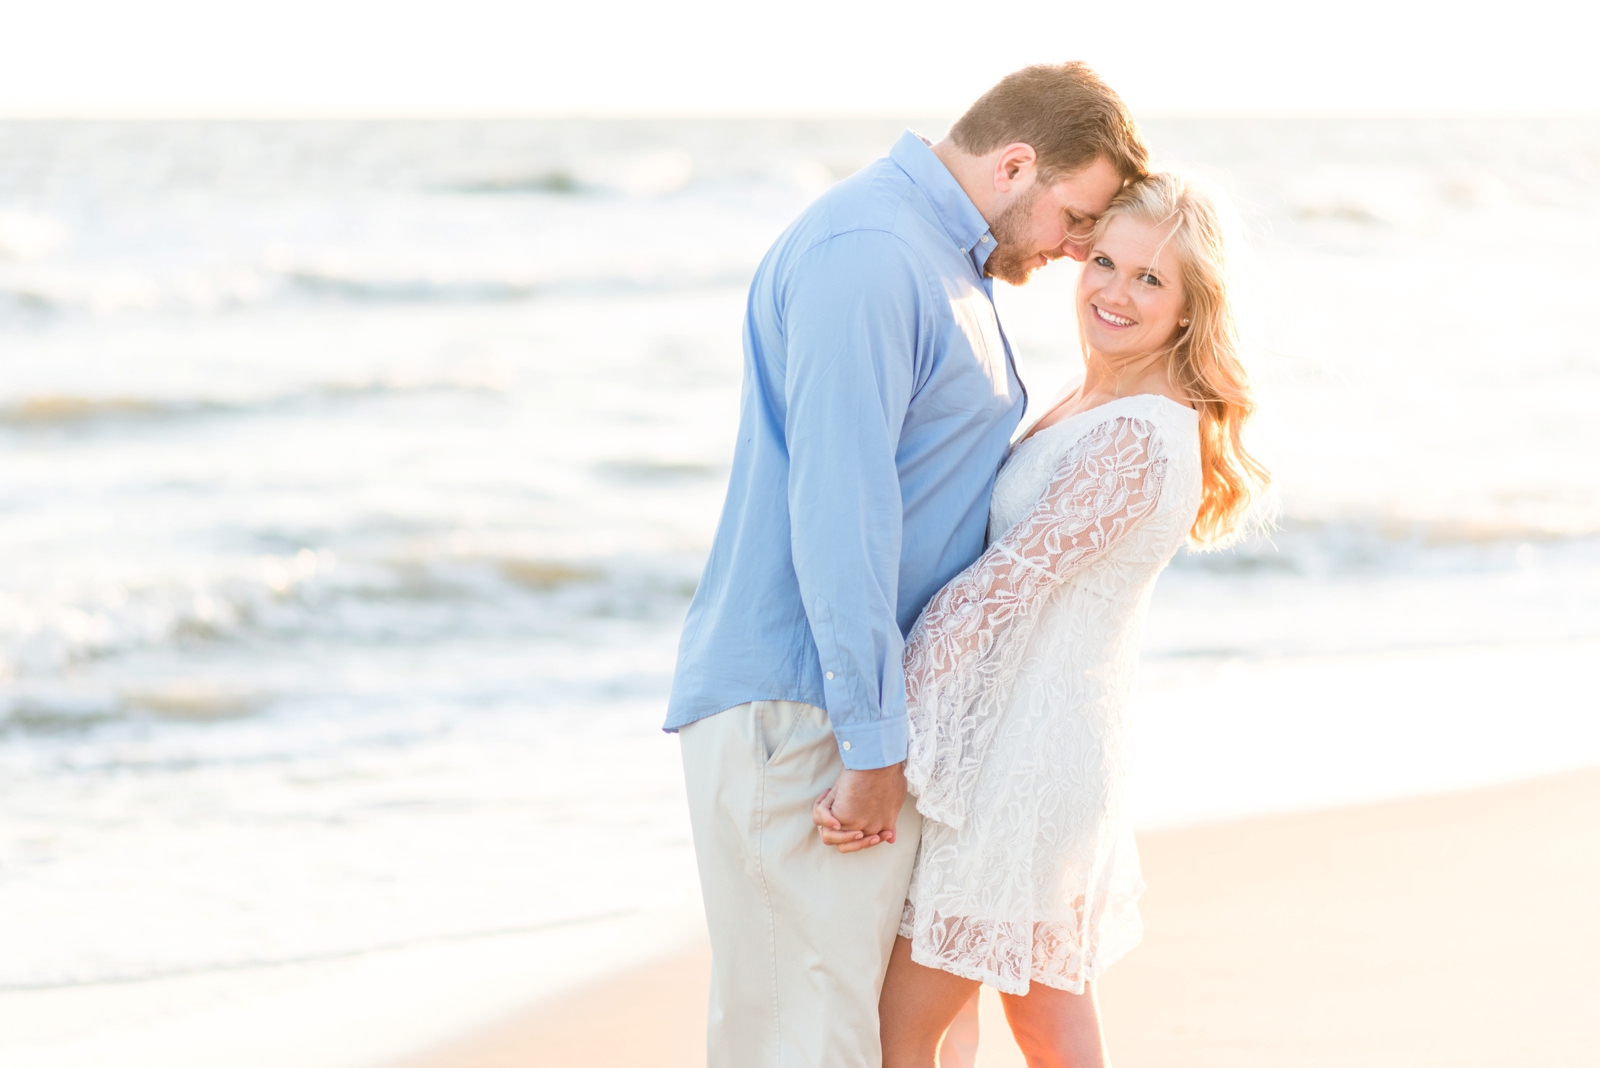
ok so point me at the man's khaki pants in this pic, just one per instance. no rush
(800, 933)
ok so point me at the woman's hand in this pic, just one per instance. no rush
(834, 833)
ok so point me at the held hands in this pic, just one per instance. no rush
(861, 809)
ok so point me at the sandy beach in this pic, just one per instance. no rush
(1455, 929)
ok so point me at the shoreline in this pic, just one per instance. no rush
(1374, 935)
(367, 1009)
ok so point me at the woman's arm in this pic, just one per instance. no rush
(963, 654)
(1101, 490)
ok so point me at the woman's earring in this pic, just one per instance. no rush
(1183, 322)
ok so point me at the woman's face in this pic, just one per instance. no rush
(1130, 298)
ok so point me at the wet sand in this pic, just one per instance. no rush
(1457, 930)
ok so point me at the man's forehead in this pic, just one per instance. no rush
(1080, 202)
(1101, 176)
(1089, 203)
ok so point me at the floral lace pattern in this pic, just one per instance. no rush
(1018, 675)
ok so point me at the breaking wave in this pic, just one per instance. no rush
(66, 411)
(1332, 548)
(309, 596)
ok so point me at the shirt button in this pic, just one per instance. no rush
(830, 674)
(984, 239)
(847, 747)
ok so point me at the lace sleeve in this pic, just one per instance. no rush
(966, 646)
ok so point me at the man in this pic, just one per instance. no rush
(879, 398)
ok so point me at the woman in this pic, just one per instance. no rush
(1018, 673)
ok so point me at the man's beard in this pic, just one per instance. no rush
(1007, 261)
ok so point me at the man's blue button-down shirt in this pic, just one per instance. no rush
(879, 399)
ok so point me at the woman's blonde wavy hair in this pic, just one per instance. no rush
(1205, 357)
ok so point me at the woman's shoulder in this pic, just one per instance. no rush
(1153, 414)
(1157, 406)
(1173, 425)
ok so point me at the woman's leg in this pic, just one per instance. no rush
(916, 1008)
(1056, 1029)
(960, 1046)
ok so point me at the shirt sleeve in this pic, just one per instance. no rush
(851, 315)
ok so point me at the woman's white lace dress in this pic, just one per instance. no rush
(1018, 675)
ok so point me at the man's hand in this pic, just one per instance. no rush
(861, 809)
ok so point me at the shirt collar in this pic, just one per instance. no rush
(954, 209)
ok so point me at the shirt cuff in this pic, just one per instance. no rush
(875, 744)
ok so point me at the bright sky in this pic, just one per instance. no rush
(903, 57)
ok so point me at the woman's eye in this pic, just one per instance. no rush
(1151, 279)
(1101, 261)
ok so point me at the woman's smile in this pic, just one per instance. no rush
(1110, 319)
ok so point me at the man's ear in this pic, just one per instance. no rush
(1013, 164)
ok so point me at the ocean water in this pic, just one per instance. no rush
(354, 479)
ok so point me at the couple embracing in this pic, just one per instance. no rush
(903, 684)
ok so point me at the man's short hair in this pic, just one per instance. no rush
(1069, 116)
